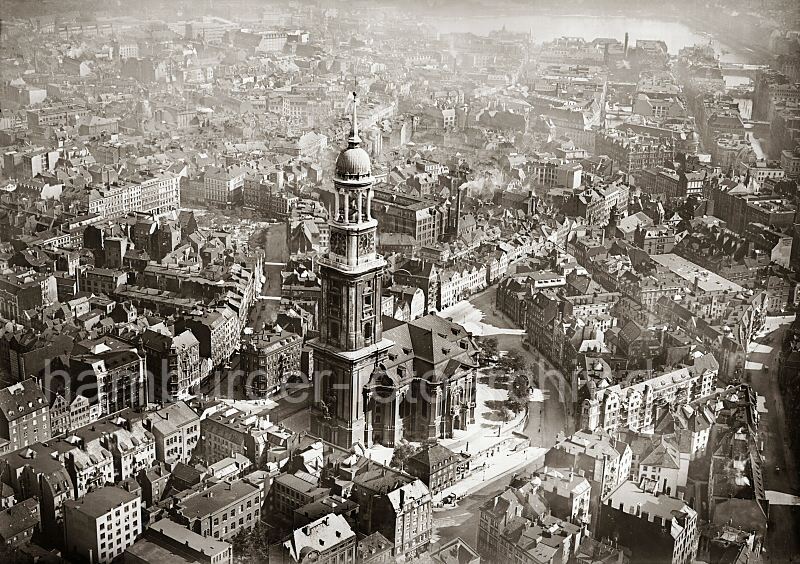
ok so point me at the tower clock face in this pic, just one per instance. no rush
(338, 243)
(366, 243)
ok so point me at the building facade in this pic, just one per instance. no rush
(24, 415)
(222, 510)
(102, 524)
(269, 360)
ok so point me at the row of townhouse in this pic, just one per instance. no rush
(458, 282)
(631, 403)
(239, 284)
(218, 332)
(444, 286)
(158, 193)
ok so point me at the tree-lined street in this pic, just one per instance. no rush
(545, 418)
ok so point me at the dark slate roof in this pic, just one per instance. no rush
(434, 456)
(19, 518)
(21, 399)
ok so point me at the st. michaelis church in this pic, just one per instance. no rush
(379, 380)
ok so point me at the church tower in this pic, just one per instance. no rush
(350, 343)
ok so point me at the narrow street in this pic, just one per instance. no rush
(780, 468)
(272, 240)
(463, 520)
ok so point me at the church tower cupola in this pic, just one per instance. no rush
(350, 342)
(352, 238)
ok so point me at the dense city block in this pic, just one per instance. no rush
(436, 281)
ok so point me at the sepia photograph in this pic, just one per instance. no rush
(399, 281)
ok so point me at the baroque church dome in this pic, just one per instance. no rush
(353, 164)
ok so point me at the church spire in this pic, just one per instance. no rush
(354, 140)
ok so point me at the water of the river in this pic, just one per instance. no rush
(546, 27)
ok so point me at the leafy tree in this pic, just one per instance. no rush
(402, 451)
(253, 545)
(514, 361)
(489, 346)
(520, 387)
(514, 405)
(517, 394)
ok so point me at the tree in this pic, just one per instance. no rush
(505, 416)
(253, 545)
(518, 394)
(489, 345)
(520, 387)
(515, 361)
(402, 451)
